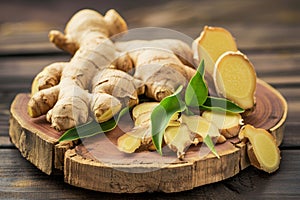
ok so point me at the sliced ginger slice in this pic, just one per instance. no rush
(178, 139)
(142, 114)
(143, 108)
(129, 143)
(133, 140)
(211, 44)
(202, 127)
(235, 79)
(229, 124)
(145, 118)
(140, 135)
(263, 152)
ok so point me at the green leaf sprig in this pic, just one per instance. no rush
(162, 114)
(92, 128)
(196, 95)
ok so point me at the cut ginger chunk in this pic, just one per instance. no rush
(211, 44)
(178, 138)
(202, 127)
(143, 108)
(263, 151)
(128, 143)
(228, 123)
(235, 79)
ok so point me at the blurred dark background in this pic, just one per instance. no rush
(188, 17)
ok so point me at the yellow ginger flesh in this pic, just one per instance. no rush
(129, 142)
(235, 79)
(228, 123)
(211, 44)
(178, 138)
(216, 41)
(264, 152)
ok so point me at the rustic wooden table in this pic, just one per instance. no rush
(267, 31)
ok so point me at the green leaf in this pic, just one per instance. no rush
(92, 128)
(209, 143)
(162, 114)
(196, 91)
(221, 105)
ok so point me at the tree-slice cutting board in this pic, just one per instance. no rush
(97, 164)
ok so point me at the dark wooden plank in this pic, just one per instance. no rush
(265, 28)
(17, 73)
(20, 179)
(27, 66)
(5, 142)
(273, 23)
(283, 184)
(291, 136)
(293, 112)
(279, 69)
(269, 64)
(292, 94)
(283, 81)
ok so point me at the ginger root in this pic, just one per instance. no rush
(160, 65)
(87, 24)
(48, 77)
(94, 69)
(235, 79)
(263, 151)
(229, 124)
(69, 91)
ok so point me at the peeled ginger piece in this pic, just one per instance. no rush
(263, 151)
(229, 124)
(137, 138)
(129, 142)
(142, 114)
(202, 127)
(178, 139)
(235, 79)
(143, 108)
(211, 44)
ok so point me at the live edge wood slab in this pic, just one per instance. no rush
(97, 164)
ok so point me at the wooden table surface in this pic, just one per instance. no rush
(267, 31)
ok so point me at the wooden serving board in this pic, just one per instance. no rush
(97, 164)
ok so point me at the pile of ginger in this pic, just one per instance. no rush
(97, 81)
(103, 77)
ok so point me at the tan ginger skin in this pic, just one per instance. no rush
(161, 64)
(92, 82)
(68, 103)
